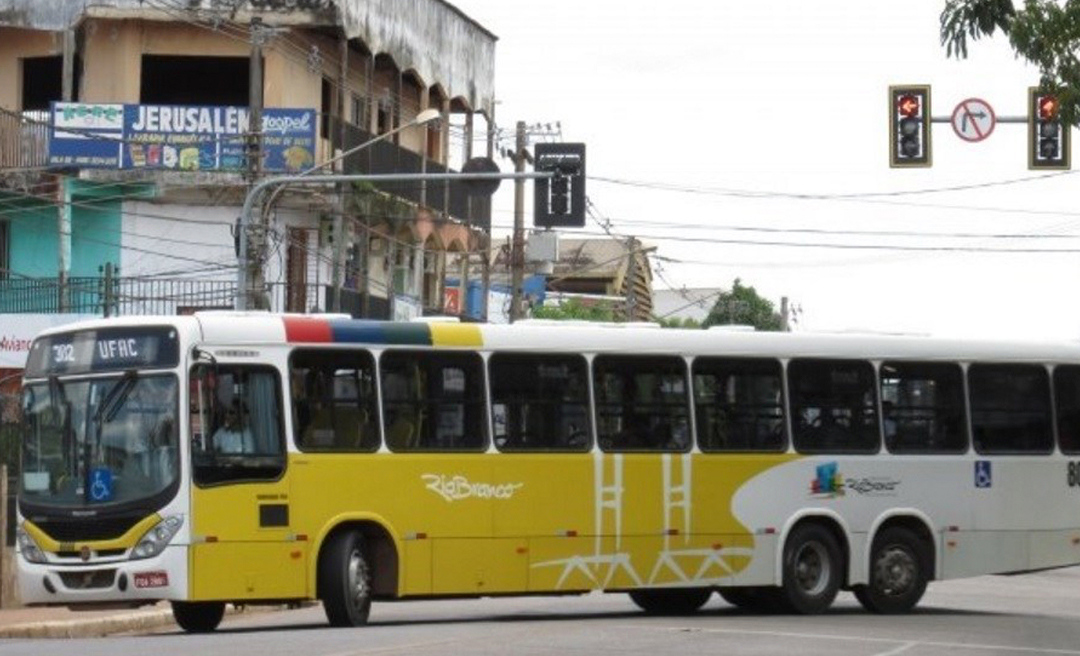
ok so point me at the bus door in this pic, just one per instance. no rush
(243, 546)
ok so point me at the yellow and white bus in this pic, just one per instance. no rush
(254, 458)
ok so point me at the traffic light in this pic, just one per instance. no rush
(909, 133)
(1048, 138)
(559, 201)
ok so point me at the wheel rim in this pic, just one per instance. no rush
(358, 584)
(895, 571)
(813, 568)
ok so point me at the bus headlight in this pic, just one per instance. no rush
(28, 548)
(154, 540)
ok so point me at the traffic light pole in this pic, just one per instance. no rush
(265, 184)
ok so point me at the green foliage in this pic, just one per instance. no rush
(1045, 33)
(574, 309)
(743, 306)
(676, 322)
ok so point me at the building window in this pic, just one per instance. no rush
(43, 81)
(188, 80)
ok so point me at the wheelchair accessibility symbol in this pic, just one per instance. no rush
(101, 485)
(983, 476)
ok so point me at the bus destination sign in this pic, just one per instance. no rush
(103, 350)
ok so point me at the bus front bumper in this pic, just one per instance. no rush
(112, 582)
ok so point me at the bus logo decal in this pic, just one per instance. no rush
(983, 476)
(828, 481)
(458, 488)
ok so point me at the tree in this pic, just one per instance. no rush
(743, 306)
(573, 309)
(676, 322)
(1046, 33)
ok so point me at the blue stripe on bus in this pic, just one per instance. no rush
(379, 332)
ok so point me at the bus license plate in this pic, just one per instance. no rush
(151, 579)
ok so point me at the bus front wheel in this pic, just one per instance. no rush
(899, 571)
(198, 616)
(672, 601)
(812, 569)
(345, 580)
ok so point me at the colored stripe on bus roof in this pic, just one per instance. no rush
(352, 331)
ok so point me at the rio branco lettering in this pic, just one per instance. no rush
(459, 488)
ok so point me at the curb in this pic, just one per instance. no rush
(90, 628)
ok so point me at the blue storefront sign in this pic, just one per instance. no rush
(176, 137)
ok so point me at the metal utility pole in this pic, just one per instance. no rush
(63, 190)
(343, 196)
(252, 255)
(517, 246)
(485, 239)
(785, 315)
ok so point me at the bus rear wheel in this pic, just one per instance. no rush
(345, 580)
(198, 616)
(812, 569)
(672, 601)
(899, 571)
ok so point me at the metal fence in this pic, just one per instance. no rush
(105, 296)
(24, 140)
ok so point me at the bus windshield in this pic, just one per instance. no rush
(99, 441)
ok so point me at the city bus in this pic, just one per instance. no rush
(249, 458)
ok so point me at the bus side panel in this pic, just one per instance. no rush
(480, 566)
(972, 553)
(248, 570)
(1054, 548)
(416, 570)
(243, 544)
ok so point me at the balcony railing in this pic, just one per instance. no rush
(24, 143)
(385, 157)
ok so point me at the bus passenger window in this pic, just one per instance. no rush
(433, 401)
(1010, 408)
(540, 402)
(923, 407)
(833, 406)
(334, 400)
(1067, 395)
(642, 403)
(739, 404)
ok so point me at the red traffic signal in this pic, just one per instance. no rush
(908, 105)
(1048, 138)
(909, 126)
(1048, 108)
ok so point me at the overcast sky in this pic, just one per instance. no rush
(777, 98)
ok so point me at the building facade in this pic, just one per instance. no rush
(157, 233)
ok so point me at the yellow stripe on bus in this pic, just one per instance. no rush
(452, 334)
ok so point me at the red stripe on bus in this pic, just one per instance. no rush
(304, 329)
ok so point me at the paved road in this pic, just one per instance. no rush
(1032, 614)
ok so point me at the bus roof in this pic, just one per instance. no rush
(268, 329)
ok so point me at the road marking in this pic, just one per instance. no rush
(899, 650)
(851, 638)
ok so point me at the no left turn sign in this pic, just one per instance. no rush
(973, 119)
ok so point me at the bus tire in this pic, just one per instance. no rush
(671, 601)
(812, 570)
(345, 580)
(198, 616)
(899, 571)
